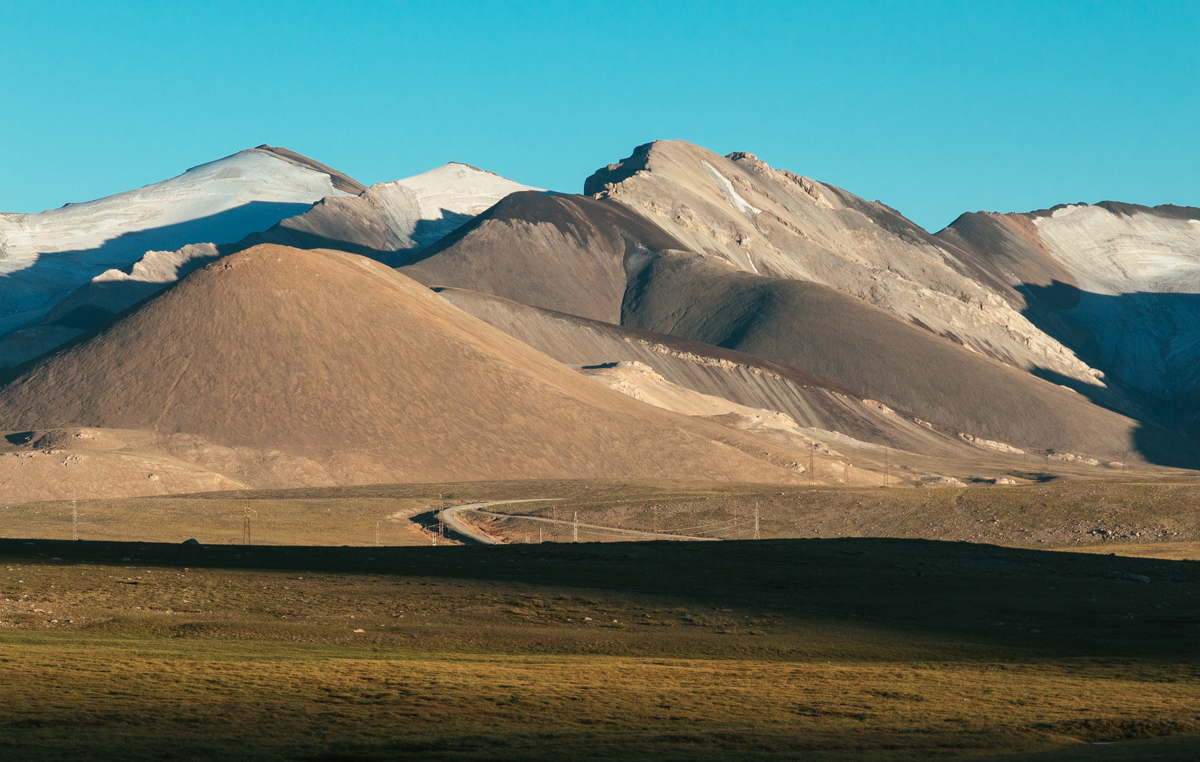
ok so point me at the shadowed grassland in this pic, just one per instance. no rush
(778, 649)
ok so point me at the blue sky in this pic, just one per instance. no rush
(934, 108)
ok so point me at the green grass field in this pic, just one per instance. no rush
(777, 649)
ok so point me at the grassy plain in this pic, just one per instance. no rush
(862, 648)
(1125, 515)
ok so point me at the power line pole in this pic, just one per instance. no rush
(736, 535)
(886, 466)
(812, 466)
(846, 477)
(554, 526)
(377, 534)
(74, 520)
(756, 521)
(245, 510)
(575, 528)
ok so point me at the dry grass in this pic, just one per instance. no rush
(826, 649)
(1127, 516)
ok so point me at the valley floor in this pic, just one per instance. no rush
(858, 648)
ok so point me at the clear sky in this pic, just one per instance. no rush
(934, 108)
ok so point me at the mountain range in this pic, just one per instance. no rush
(266, 320)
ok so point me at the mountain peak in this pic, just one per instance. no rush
(341, 181)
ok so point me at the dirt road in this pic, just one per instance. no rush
(450, 517)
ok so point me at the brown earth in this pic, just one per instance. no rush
(343, 362)
(1007, 252)
(809, 399)
(559, 252)
(815, 327)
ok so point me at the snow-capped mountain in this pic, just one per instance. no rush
(392, 221)
(1119, 283)
(45, 256)
(64, 270)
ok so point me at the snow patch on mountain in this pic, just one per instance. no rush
(449, 196)
(1124, 254)
(1139, 281)
(44, 256)
(742, 205)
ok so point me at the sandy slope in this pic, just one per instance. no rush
(343, 362)
(740, 379)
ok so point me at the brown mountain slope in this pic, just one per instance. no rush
(340, 361)
(387, 222)
(775, 223)
(812, 401)
(556, 251)
(811, 326)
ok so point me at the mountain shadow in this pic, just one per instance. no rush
(1146, 343)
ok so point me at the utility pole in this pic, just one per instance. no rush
(812, 466)
(554, 526)
(846, 477)
(539, 535)
(756, 521)
(74, 520)
(736, 535)
(377, 534)
(886, 467)
(245, 511)
(575, 528)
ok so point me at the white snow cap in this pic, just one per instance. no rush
(46, 255)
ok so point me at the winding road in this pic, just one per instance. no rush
(454, 523)
(450, 518)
